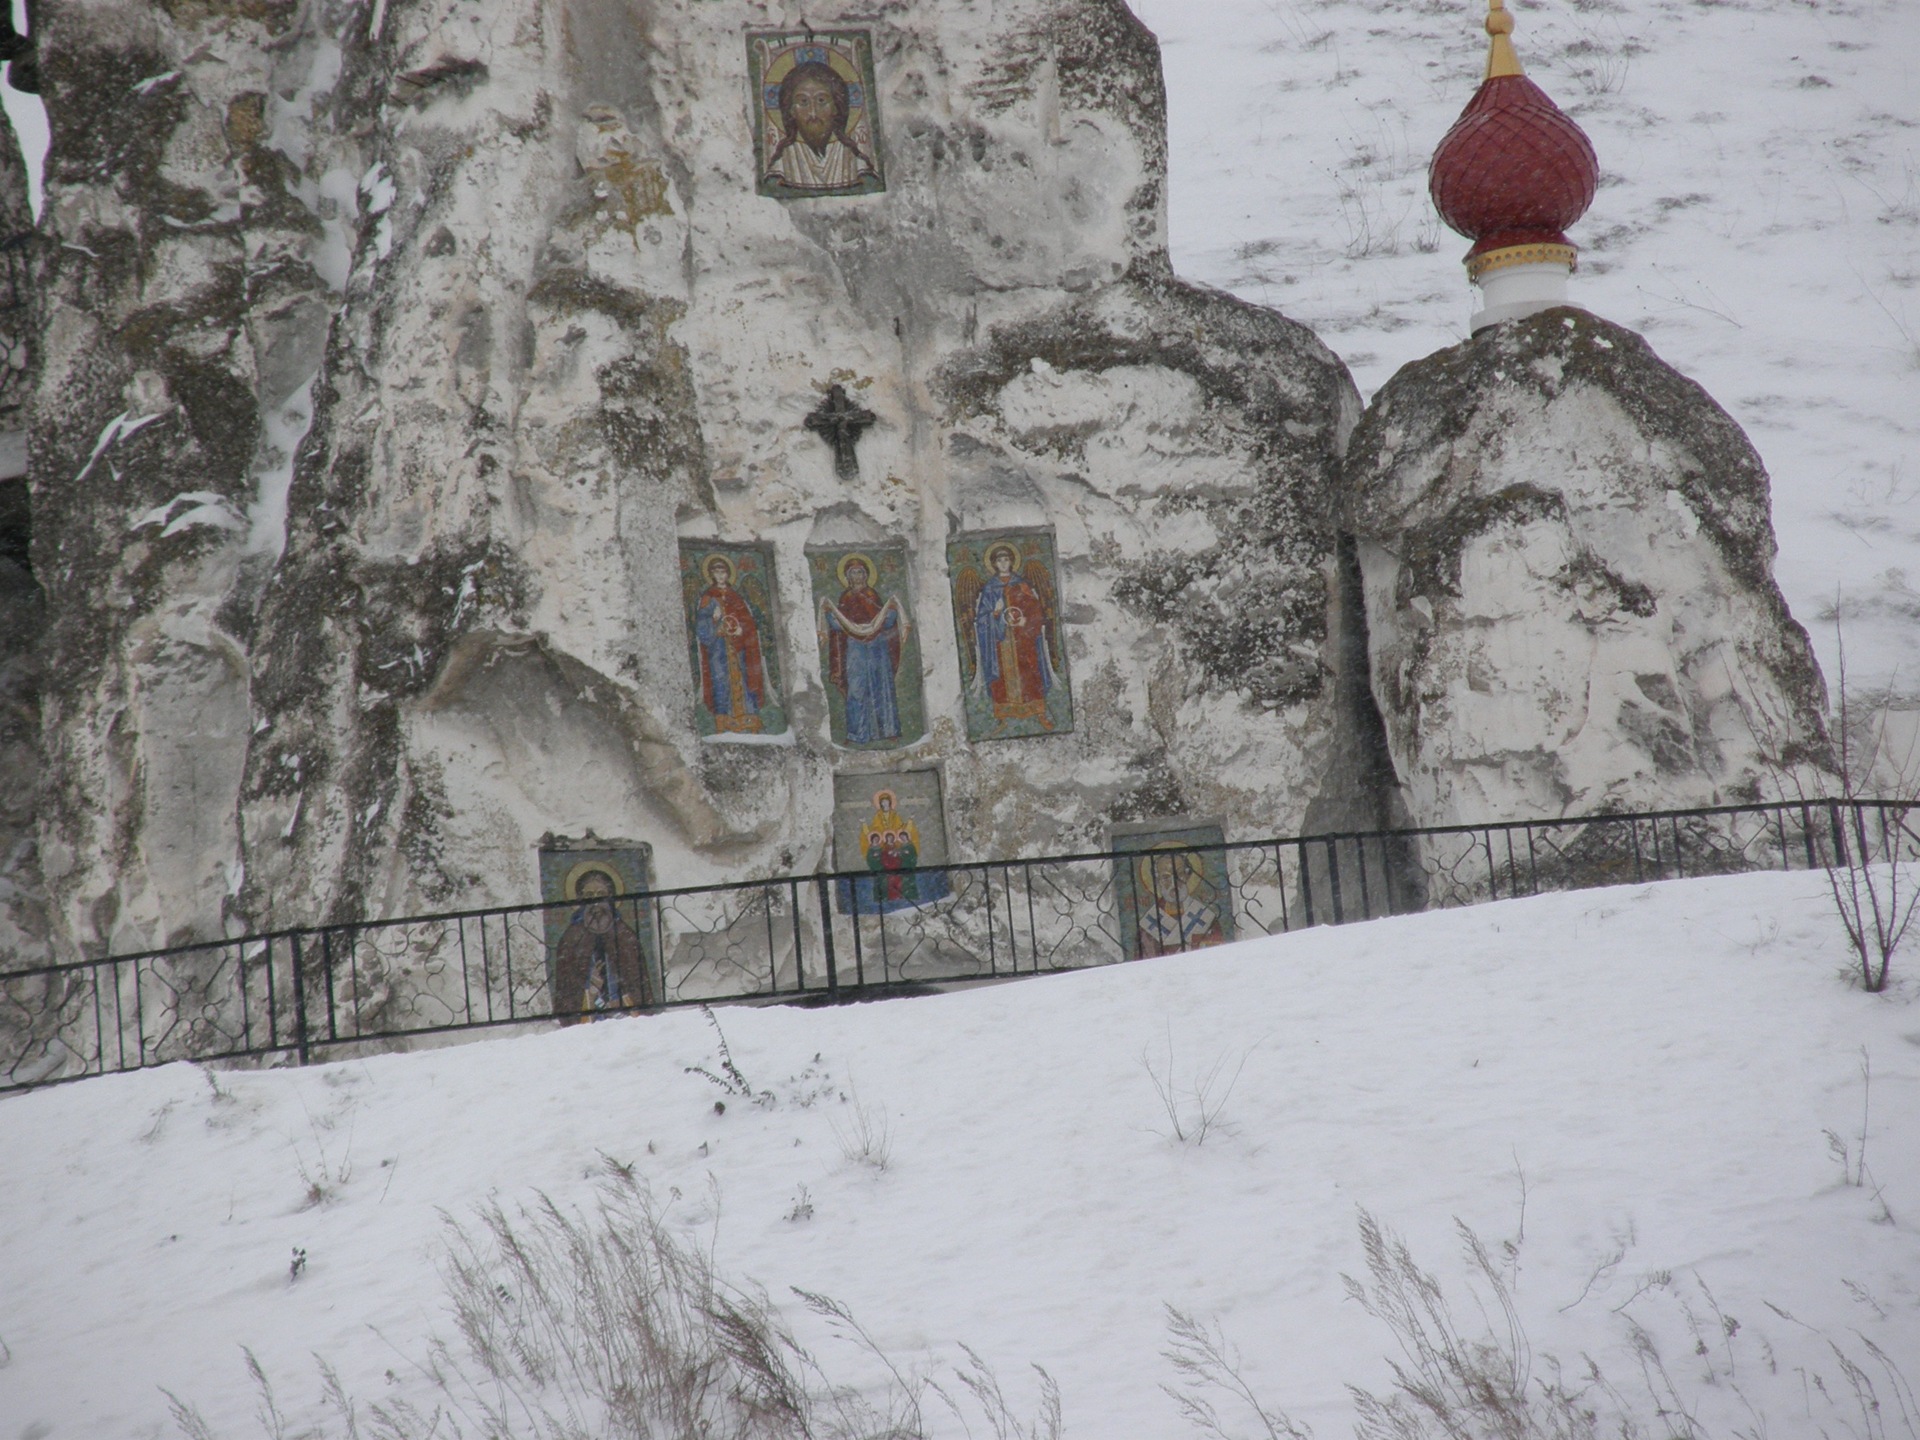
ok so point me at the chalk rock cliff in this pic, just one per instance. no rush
(23, 919)
(393, 351)
(1568, 562)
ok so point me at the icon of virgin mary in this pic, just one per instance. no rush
(865, 632)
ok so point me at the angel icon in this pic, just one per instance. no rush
(1010, 638)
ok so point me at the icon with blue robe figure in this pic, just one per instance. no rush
(1013, 658)
(869, 650)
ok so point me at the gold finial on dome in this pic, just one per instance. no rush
(1502, 59)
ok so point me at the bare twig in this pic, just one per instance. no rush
(1195, 1112)
(867, 1136)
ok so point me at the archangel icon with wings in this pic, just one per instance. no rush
(1012, 661)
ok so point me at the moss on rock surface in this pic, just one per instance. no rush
(1556, 516)
(1249, 608)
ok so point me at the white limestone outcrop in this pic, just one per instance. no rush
(1568, 563)
(391, 351)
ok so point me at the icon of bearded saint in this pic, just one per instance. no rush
(815, 152)
(1178, 904)
(600, 967)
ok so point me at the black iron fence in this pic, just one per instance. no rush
(297, 995)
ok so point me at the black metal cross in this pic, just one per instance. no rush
(839, 422)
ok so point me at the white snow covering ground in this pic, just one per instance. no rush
(1758, 220)
(1629, 1082)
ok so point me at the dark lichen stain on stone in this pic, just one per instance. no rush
(649, 413)
(1431, 552)
(1249, 611)
(422, 829)
(1153, 790)
(1587, 574)
(1432, 403)
(1664, 739)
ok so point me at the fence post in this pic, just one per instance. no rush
(299, 1002)
(799, 948)
(326, 972)
(826, 938)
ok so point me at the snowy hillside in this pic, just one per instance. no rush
(1758, 220)
(1637, 1081)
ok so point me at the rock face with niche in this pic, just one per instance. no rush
(1568, 563)
(392, 351)
(23, 918)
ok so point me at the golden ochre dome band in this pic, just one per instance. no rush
(1506, 255)
(1502, 59)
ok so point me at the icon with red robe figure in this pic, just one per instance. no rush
(729, 609)
(891, 827)
(1013, 660)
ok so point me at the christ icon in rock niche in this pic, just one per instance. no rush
(1013, 662)
(728, 592)
(868, 649)
(815, 130)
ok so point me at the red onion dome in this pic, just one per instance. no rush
(1514, 172)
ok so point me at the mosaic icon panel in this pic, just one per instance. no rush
(728, 593)
(1013, 654)
(1172, 900)
(816, 122)
(869, 646)
(895, 827)
(600, 950)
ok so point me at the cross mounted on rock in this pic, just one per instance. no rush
(839, 421)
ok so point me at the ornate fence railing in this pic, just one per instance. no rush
(291, 996)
